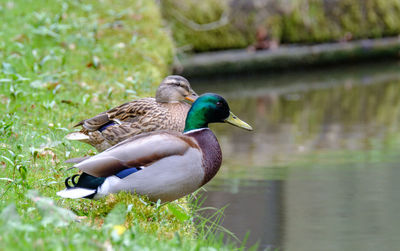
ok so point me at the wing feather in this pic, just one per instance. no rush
(95, 122)
(129, 112)
(133, 110)
(140, 150)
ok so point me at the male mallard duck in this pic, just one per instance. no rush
(165, 112)
(163, 165)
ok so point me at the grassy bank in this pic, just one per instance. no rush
(217, 25)
(62, 61)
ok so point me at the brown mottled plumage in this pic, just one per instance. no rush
(165, 112)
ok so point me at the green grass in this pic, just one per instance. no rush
(62, 61)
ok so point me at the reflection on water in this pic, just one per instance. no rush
(321, 169)
(257, 209)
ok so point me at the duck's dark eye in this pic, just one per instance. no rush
(219, 103)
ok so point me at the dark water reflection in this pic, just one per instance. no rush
(321, 171)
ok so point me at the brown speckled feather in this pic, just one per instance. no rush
(165, 112)
(136, 117)
(139, 117)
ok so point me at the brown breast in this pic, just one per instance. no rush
(212, 155)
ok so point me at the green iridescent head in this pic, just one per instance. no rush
(211, 108)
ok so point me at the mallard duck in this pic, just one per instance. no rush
(166, 111)
(163, 165)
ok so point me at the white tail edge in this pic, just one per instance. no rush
(77, 136)
(76, 192)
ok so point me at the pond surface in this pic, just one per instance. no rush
(321, 170)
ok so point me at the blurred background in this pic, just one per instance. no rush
(319, 80)
(262, 24)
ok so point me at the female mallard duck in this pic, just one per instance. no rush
(163, 165)
(165, 112)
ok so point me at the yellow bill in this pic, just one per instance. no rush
(191, 98)
(234, 120)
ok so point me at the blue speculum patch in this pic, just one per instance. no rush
(103, 127)
(127, 172)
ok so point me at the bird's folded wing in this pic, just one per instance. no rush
(137, 151)
(95, 122)
(130, 110)
(133, 109)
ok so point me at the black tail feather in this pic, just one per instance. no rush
(85, 181)
(89, 181)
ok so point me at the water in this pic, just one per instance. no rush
(321, 171)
